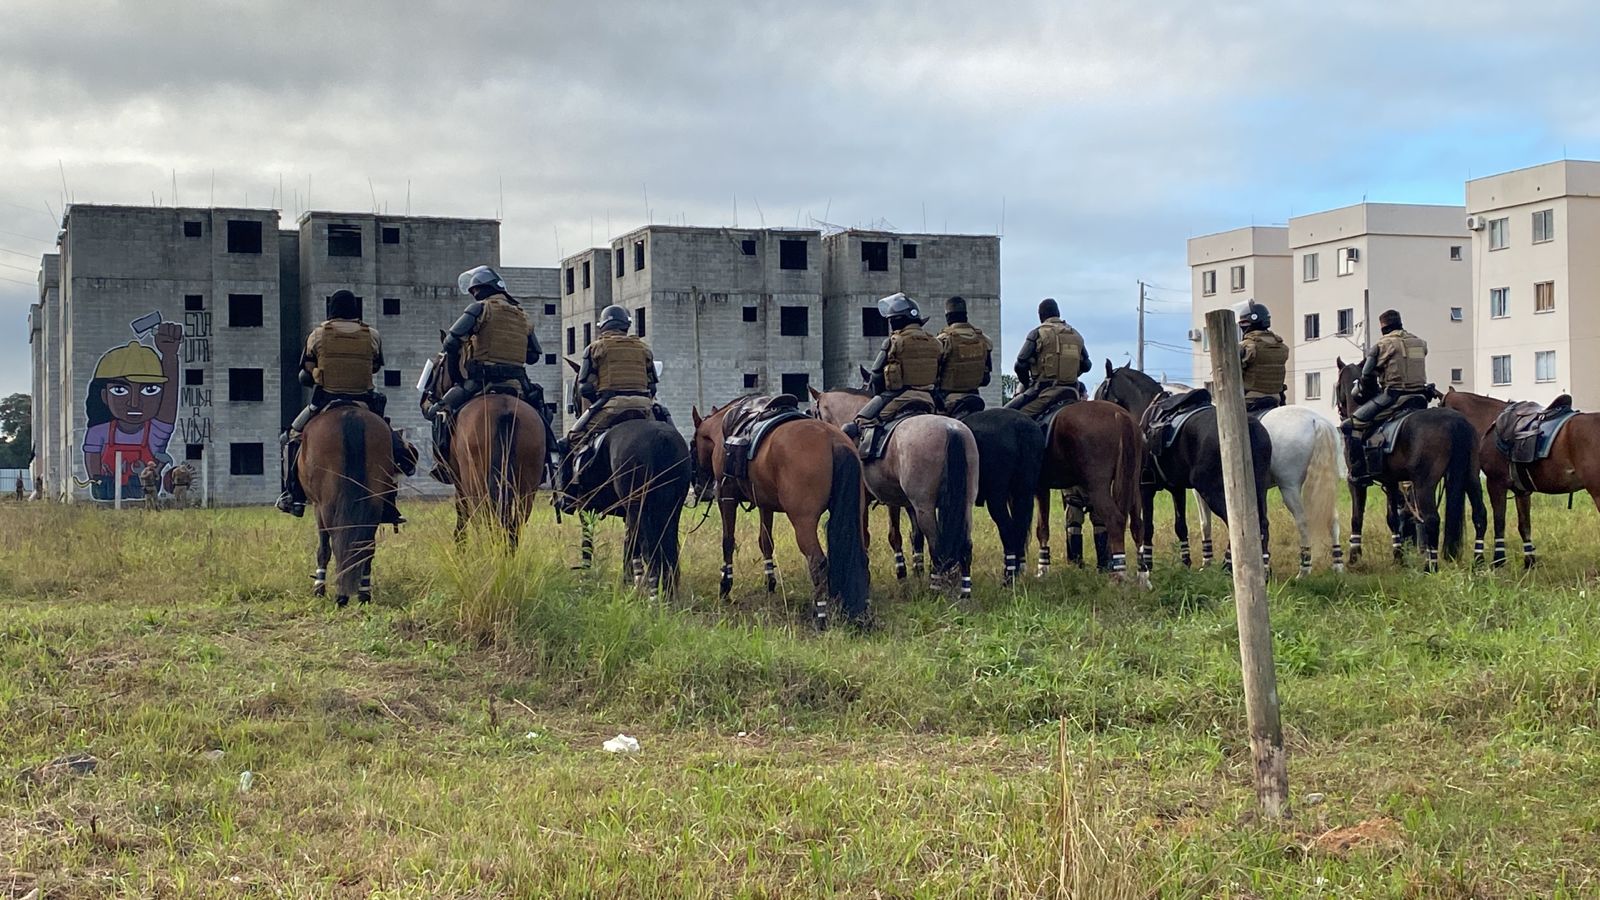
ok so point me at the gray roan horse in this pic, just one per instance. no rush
(930, 467)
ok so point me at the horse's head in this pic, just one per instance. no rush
(838, 406)
(1128, 388)
(707, 429)
(437, 379)
(1344, 389)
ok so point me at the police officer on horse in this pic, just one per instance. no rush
(906, 372)
(616, 377)
(1264, 359)
(965, 361)
(1395, 368)
(1049, 363)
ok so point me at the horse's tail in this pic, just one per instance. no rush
(1125, 474)
(847, 554)
(1032, 446)
(353, 519)
(1324, 473)
(953, 508)
(660, 508)
(501, 492)
(1460, 477)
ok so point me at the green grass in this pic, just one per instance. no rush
(446, 740)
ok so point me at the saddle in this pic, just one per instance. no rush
(1526, 431)
(875, 437)
(1165, 418)
(964, 406)
(747, 425)
(1385, 432)
(1048, 417)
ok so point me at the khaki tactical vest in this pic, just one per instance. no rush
(620, 362)
(502, 334)
(1057, 352)
(344, 352)
(1402, 361)
(1266, 364)
(913, 360)
(965, 357)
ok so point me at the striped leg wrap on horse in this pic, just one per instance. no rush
(1147, 557)
(1119, 563)
(916, 561)
(1183, 553)
(1044, 559)
(1207, 553)
(966, 587)
(319, 577)
(900, 566)
(1355, 543)
(1013, 567)
(1305, 560)
(770, 568)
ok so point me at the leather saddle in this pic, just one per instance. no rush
(1048, 417)
(875, 437)
(964, 406)
(747, 425)
(1526, 431)
(1165, 418)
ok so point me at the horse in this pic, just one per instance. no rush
(1568, 469)
(1193, 462)
(1011, 453)
(347, 468)
(499, 453)
(1094, 451)
(802, 469)
(930, 467)
(1433, 447)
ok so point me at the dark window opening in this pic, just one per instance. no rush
(792, 255)
(193, 302)
(391, 306)
(244, 459)
(191, 229)
(638, 321)
(908, 251)
(570, 287)
(549, 359)
(243, 236)
(391, 377)
(795, 384)
(391, 235)
(549, 309)
(344, 240)
(748, 248)
(193, 451)
(246, 385)
(588, 335)
(794, 321)
(586, 274)
(749, 381)
(873, 324)
(244, 311)
(749, 313)
(194, 377)
(622, 269)
(572, 340)
(876, 255)
(638, 255)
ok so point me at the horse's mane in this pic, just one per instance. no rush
(859, 392)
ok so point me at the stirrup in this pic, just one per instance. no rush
(288, 504)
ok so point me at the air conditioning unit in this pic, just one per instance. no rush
(1194, 334)
(1353, 254)
(1477, 223)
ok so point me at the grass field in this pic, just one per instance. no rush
(446, 740)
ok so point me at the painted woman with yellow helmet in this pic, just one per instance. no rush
(132, 409)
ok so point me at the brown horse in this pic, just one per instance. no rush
(1572, 466)
(1094, 449)
(347, 467)
(803, 469)
(498, 454)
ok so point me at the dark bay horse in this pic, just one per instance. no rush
(498, 454)
(1011, 452)
(1573, 465)
(930, 467)
(1094, 452)
(1433, 448)
(347, 467)
(1193, 462)
(803, 468)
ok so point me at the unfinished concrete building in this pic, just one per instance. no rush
(584, 280)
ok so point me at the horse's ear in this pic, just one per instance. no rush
(1338, 362)
(1109, 370)
(694, 413)
(865, 375)
(574, 366)
(442, 334)
(815, 394)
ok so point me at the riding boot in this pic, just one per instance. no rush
(292, 500)
(391, 512)
(441, 448)
(565, 461)
(405, 455)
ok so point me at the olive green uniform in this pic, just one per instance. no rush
(906, 372)
(1048, 365)
(965, 365)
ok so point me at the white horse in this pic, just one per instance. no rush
(1308, 466)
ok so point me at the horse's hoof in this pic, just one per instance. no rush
(1338, 568)
(363, 598)
(320, 589)
(341, 602)
(1144, 581)
(772, 585)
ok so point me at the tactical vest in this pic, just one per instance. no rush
(345, 352)
(1402, 361)
(965, 355)
(502, 334)
(620, 362)
(1264, 374)
(1057, 352)
(913, 360)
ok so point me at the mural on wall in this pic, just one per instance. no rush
(132, 409)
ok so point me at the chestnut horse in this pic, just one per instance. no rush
(346, 468)
(803, 468)
(1095, 451)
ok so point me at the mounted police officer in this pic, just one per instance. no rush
(1395, 367)
(340, 358)
(966, 361)
(1049, 363)
(906, 371)
(617, 376)
(1264, 359)
(492, 343)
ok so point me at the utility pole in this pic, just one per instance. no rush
(1139, 364)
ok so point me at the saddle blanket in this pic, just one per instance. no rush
(746, 428)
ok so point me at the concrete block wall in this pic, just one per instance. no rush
(580, 308)
(536, 288)
(47, 397)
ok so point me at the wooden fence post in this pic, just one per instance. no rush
(1249, 572)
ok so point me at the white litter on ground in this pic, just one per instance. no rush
(621, 744)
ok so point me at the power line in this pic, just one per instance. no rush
(18, 281)
(28, 237)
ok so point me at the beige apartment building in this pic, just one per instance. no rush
(1351, 264)
(1232, 266)
(1534, 234)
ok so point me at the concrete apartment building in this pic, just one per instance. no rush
(584, 281)
(1534, 231)
(1351, 264)
(1232, 266)
(860, 267)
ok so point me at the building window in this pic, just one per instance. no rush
(749, 381)
(246, 385)
(391, 377)
(1498, 233)
(1499, 303)
(873, 324)
(1236, 278)
(549, 309)
(795, 384)
(1205, 341)
(244, 310)
(749, 313)
(1455, 376)
(875, 256)
(1313, 386)
(1544, 297)
(1544, 366)
(1346, 322)
(638, 255)
(1208, 282)
(588, 333)
(193, 302)
(391, 306)
(549, 359)
(1348, 257)
(908, 251)
(1455, 253)
(621, 266)
(244, 236)
(570, 287)
(794, 321)
(572, 340)
(747, 247)
(1455, 314)
(638, 321)
(1308, 267)
(1313, 326)
(1544, 226)
(194, 377)
(586, 274)
(192, 229)
(245, 459)
(391, 235)
(344, 240)
(193, 452)
(792, 254)
(1500, 370)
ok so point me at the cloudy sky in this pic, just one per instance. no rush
(1098, 136)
